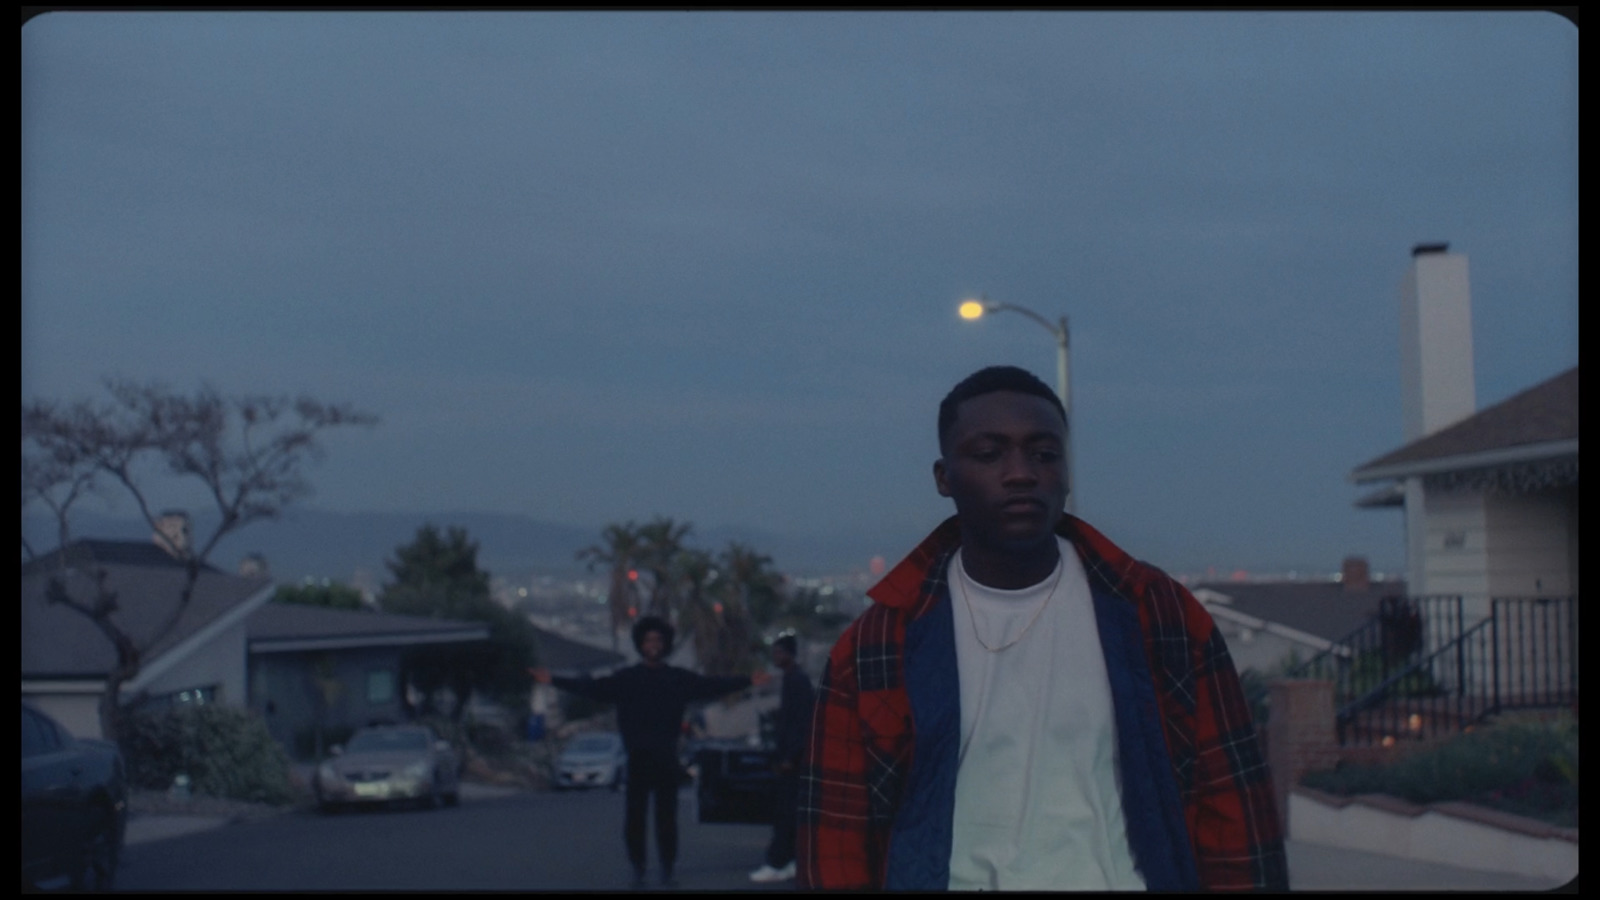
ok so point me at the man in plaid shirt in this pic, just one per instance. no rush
(1025, 706)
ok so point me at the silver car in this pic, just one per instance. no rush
(592, 759)
(390, 764)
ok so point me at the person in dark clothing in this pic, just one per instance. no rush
(793, 727)
(651, 697)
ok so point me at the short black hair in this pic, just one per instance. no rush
(787, 642)
(989, 381)
(657, 624)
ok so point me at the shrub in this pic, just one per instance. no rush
(1527, 768)
(225, 752)
(1373, 667)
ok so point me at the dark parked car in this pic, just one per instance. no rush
(74, 807)
(735, 781)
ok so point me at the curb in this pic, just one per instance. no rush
(1454, 834)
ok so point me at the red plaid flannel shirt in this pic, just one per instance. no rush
(862, 741)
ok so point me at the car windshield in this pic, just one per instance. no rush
(593, 743)
(387, 741)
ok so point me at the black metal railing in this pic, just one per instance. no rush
(1537, 646)
(1415, 670)
(1435, 692)
(1403, 629)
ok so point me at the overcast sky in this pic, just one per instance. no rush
(597, 266)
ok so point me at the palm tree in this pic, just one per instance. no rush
(662, 542)
(694, 573)
(756, 586)
(621, 548)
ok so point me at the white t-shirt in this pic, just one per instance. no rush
(1038, 799)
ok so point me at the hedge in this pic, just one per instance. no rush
(225, 752)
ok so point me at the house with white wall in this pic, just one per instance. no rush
(1490, 499)
(1490, 496)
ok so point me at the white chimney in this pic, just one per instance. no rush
(253, 566)
(1436, 384)
(1436, 381)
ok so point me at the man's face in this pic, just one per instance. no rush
(652, 645)
(781, 657)
(1005, 469)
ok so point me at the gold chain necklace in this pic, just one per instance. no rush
(961, 586)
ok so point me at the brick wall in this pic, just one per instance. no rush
(1300, 735)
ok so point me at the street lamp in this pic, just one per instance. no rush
(975, 309)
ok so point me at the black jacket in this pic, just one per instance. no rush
(651, 701)
(794, 716)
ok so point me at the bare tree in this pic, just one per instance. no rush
(248, 452)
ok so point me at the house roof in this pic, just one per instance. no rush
(125, 553)
(59, 643)
(564, 654)
(282, 627)
(1538, 423)
(1321, 609)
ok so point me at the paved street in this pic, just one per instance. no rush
(516, 841)
(500, 839)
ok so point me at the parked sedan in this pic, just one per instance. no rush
(593, 759)
(74, 806)
(389, 764)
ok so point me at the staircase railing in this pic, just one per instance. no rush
(1384, 645)
(1414, 671)
(1444, 690)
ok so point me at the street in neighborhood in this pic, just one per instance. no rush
(507, 839)
(496, 839)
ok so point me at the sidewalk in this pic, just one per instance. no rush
(1314, 867)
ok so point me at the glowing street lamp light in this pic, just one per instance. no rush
(972, 310)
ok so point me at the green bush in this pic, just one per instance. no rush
(1527, 768)
(225, 752)
(1370, 670)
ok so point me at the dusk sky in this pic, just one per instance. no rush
(590, 267)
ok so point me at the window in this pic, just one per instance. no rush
(199, 696)
(380, 686)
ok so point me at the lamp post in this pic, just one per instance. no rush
(975, 309)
